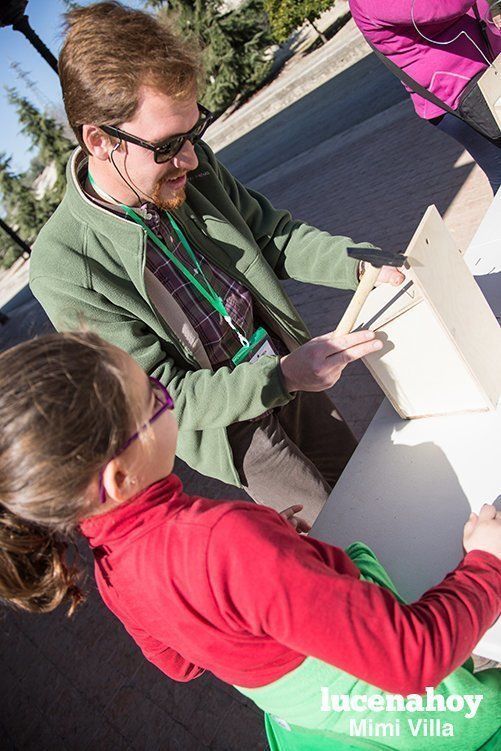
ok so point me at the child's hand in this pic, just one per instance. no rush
(483, 532)
(300, 525)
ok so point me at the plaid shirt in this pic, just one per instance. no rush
(219, 340)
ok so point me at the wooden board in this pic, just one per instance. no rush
(387, 302)
(443, 343)
(411, 484)
(483, 256)
(451, 290)
(422, 374)
(490, 86)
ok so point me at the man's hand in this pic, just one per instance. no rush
(300, 525)
(318, 364)
(390, 275)
(483, 531)
(387, 275)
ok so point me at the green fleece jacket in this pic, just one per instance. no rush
(88, 265)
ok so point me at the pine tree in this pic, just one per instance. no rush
(287, 15)
(24, 211)
(20, 211)
(234, 45)
(43, 131)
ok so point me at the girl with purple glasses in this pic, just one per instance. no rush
(87, 442)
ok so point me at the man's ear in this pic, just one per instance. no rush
(118, 482)
(98, 143)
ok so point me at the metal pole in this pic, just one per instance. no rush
(26, 248)
(12, 13)
(22, 24)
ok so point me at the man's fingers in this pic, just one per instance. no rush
(334, 343)
(341, 359)
(390, 275)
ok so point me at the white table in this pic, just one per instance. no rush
(410, 485)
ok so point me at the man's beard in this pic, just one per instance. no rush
(169, 204)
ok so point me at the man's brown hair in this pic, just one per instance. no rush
(109, 52)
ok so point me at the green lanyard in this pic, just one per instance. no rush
(207, 291)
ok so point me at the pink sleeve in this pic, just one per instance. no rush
(398, 12)
(268, 580)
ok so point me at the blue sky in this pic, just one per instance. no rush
(46, 19)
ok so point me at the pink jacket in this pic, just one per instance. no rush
(443, 69)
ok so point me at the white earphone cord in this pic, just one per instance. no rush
(450, 41)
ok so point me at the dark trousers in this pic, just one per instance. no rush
(296, 454)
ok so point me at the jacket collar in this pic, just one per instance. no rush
(81, 205)
(96, 215)
(146, 509)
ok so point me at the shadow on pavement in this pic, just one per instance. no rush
(27, 319)
(375, 186)
(330, 109)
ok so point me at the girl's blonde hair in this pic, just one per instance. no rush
(63, 414)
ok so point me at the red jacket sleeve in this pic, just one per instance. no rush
(426, 12)
(165, 658)
(268, 580)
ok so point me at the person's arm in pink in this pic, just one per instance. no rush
(426, 12)
(267, 580)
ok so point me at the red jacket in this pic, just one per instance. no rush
(231, 587)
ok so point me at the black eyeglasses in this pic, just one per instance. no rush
(166, 150)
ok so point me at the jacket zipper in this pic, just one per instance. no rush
(94, 205)
(237, 275)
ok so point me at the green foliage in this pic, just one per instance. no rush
(22, 210)
(44, 132)
(287, 15)
(234, 45)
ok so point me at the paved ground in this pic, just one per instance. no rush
(82, 684)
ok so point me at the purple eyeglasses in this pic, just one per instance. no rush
(163, 397)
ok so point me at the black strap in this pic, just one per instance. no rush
(482, 25)
(412, 83)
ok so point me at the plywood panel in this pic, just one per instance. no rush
(450, 289)
(419, 368)
(387, 302)
(444, 343)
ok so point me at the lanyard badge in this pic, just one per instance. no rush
(250, 349)
(259, 346)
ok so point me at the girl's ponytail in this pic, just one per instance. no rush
(35, 574)
(63, 413)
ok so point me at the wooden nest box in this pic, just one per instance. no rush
(442, 352)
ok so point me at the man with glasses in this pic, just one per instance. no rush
(158, 248)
